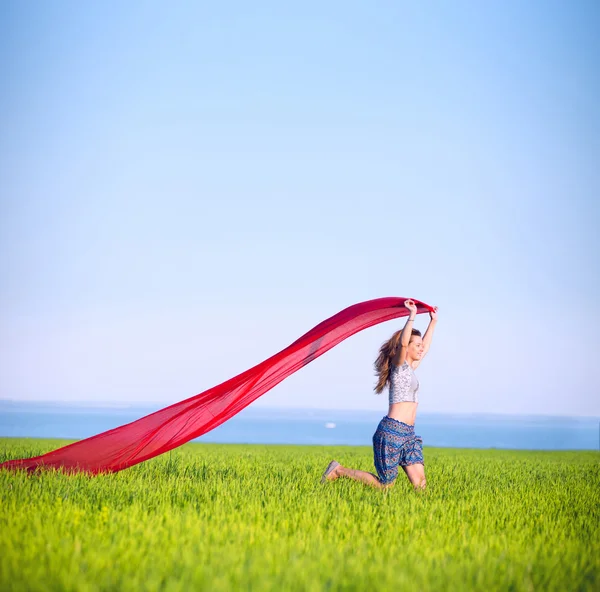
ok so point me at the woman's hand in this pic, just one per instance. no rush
(433, 313)
(410, 304)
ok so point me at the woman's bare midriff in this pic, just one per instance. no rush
(404, 412)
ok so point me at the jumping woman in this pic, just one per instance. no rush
(395, 443)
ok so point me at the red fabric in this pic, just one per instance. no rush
(175, 425)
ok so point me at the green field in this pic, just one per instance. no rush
(253, 517)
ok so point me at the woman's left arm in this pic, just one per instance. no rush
(429, 333)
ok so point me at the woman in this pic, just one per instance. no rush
(395, 443)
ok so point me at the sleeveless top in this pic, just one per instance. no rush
(404, 385)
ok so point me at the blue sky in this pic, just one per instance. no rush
(185, 189)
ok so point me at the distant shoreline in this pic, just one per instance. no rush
(7, 405)
(32, 439)
(316, 426)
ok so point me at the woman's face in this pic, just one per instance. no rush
(415, 348)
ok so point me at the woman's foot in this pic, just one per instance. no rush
(330, 472)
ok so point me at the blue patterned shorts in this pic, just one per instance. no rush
(395, 445)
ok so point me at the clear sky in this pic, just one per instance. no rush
(188, 187)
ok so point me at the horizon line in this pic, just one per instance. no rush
(107, 404)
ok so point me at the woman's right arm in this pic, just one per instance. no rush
(400, 356)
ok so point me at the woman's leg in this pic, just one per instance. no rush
(386, 456)
(356, 475)
(416, 475)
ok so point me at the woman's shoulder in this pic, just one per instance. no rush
(404, 367)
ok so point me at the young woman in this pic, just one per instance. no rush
(395, 443)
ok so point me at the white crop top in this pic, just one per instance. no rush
(404, 385)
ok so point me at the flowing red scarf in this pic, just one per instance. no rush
(177, 424)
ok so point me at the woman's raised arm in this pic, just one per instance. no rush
(429, 333)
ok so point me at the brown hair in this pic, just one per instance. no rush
(384, 360)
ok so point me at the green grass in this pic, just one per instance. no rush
(252, 517)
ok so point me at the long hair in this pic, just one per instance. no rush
(383, 362)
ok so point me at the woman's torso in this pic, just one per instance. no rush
(403, 392)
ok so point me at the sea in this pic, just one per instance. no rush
(258, 425)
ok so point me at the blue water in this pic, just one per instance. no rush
(277, 426)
